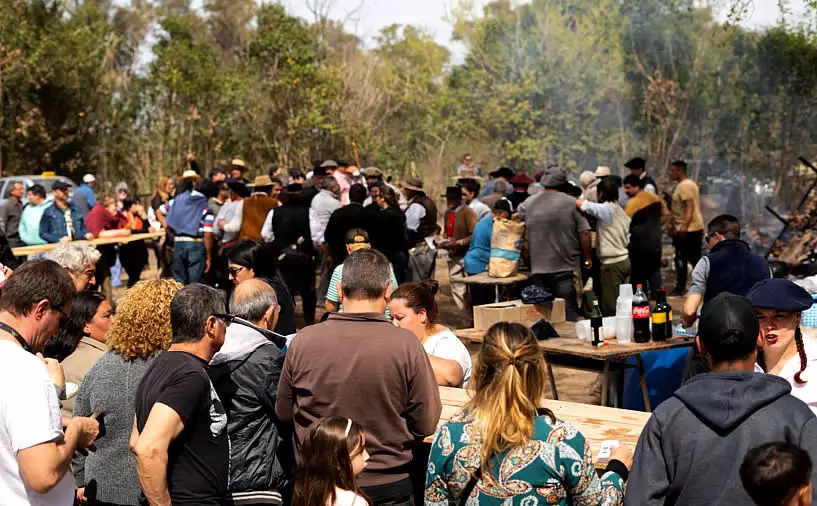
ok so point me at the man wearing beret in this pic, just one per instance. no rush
(692, 447)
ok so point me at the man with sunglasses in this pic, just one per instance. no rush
(245, 373)
(180, 431)
(730, 267)
(35, 453)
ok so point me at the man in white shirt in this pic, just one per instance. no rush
(323, 205)
(35, 453)
(470, 192)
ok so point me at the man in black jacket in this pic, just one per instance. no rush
(690, 451)
(646, 211)
(245, 374)
(345, 219)
(287, 227)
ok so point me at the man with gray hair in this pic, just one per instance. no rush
(79, 261)
(180, 433)
(359, 366)
(245, 373)
(323, 205)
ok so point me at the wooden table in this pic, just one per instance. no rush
(25, 251)
(485, 279)
(613, 352)
(596, 423)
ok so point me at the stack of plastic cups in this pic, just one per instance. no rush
(624, 314)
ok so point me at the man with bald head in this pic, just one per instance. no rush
(245, 373)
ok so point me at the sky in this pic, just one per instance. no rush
(432, 15)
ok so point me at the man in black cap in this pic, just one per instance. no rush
(691, 449)
(638, 167)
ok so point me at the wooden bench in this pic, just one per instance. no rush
(25, 251)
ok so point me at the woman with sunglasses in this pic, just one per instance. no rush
(251, 259)
(785, 351)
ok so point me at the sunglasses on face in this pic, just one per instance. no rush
(233, 271)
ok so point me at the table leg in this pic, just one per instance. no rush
(496, 293)
(605, 383)
(552, 379)
(646, 393)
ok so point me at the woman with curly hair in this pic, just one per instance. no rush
(140, 332)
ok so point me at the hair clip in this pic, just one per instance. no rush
(348, 427)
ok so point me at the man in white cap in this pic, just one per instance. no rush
(84, 197)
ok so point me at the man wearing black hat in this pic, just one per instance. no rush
(638, 167)
(460, 221)
(691, 449)
(503, 173)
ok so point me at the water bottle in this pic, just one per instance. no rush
(624, 314)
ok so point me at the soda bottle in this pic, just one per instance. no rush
(661, 318)
(597, 324)
(641, 316)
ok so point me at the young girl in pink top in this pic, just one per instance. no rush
(332, 455)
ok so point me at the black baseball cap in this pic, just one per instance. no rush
(60, 185)
(728, 327)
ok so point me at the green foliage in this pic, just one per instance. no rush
(579, 83)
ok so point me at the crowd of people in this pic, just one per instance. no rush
(197, 388)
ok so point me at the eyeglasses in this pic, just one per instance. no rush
(64, 318)
(233, 271)
(226, 318)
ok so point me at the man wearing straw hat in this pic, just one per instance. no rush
(250, 213)
(190, 219)
(421, 222)
(237, 169)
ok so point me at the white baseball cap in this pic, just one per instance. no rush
(88, 178)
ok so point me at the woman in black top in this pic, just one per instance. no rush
(392, 236)
(251, 259)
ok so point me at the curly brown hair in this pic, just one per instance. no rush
(142, 325)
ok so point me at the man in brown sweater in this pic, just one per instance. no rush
(458, 226)
(251, 212)
(359, 366)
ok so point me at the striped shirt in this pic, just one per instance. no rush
(207, 218)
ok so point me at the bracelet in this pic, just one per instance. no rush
(618, 467)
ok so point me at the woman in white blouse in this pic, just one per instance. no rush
(413, 308)
(786, 351)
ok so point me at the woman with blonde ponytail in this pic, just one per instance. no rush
(506, 447)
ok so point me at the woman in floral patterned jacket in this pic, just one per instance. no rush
(506, 448)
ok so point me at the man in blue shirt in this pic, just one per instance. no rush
(84, 197)
(62, 218)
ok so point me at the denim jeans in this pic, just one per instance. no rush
(189, 259)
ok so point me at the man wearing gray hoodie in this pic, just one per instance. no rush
(691, 450)
(245, 374)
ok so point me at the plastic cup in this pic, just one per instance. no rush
(583, 330)
(625, 291)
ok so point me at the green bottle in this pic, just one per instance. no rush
(597, 324)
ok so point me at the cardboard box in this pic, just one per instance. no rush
(516, 311)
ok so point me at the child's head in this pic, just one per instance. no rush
(332, 454)
(777, 474)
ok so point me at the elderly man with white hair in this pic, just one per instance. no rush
(245, 374)
(79, 261)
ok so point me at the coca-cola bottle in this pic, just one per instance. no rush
(641, 316)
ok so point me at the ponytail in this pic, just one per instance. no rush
(801, 351)
(508, 381)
